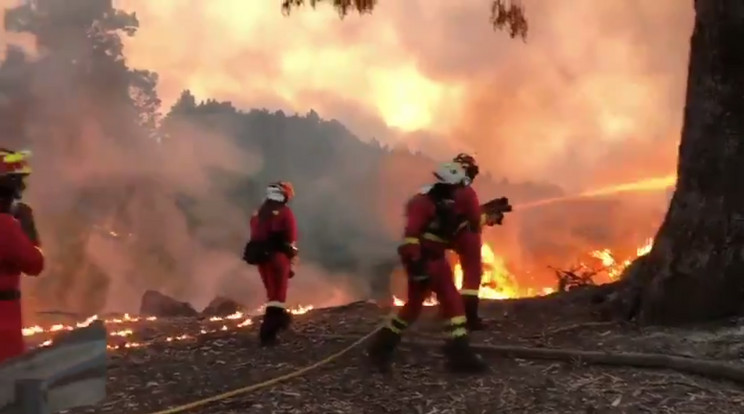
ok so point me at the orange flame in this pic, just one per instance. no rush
(499, 283)
(613, 268)
(496, 282)
(117, 335)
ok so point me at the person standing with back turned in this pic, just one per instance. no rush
(272, 247)
(20, 249)
(431, 221)
(468, 241)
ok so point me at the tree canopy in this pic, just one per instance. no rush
(507, 15)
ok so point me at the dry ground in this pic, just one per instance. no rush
(165, 374)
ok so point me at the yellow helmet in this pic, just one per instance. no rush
(14, 163)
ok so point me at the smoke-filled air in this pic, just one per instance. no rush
(156, 125)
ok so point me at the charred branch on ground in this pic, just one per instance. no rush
(575, 277)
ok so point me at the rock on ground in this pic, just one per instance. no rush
(222, 306)
(157, 304)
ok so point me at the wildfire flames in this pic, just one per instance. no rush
(612, 267)
(499, 283)
(118, 338)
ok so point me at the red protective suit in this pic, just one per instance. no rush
(275, 223)
(430, 223)
(17, 255)
(467, 242)
(426, 240)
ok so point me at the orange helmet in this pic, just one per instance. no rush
(468, 163)
(14, 163)
(281, 191)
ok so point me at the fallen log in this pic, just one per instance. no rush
(718, 370)
(68, 374)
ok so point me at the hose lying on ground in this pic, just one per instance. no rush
(719, 370)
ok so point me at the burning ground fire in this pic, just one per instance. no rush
(499, 283)
(119, 339)
(612, 267)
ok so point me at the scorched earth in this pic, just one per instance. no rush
(179, 360)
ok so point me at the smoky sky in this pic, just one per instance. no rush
(597, 87)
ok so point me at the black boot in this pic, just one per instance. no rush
(285, 320)
(270, 326)
(380, 352)
(474, 323)
(462, 359)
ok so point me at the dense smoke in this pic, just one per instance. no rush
(123, 203)
(598, 85)
(593, 98)
(129, 199)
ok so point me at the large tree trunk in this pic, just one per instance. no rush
(696, 268)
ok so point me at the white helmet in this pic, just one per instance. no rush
(451, 173)
(281, 191)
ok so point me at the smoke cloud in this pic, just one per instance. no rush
(593, 98)
(597, 86)
(123, 205)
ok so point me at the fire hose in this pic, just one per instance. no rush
(712, 369)
(269, 382)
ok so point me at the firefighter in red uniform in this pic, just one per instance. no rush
(20, 250)
(272, 247)
(468, 242)
(430, 223)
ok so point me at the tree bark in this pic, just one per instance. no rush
(695, 270)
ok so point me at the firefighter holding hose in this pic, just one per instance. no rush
(468, 241)
(272, 248)
(431, 221)
(20, 249)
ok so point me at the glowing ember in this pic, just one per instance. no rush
(428, 302)
(125, 332)
(301, 310)
(246, 322)
(236, 315)
(116, 336)
(646, 248)
(33, 330)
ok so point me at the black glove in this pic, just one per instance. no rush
(25, 215)
(416, 270)
(498, 218)
(495, 210)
